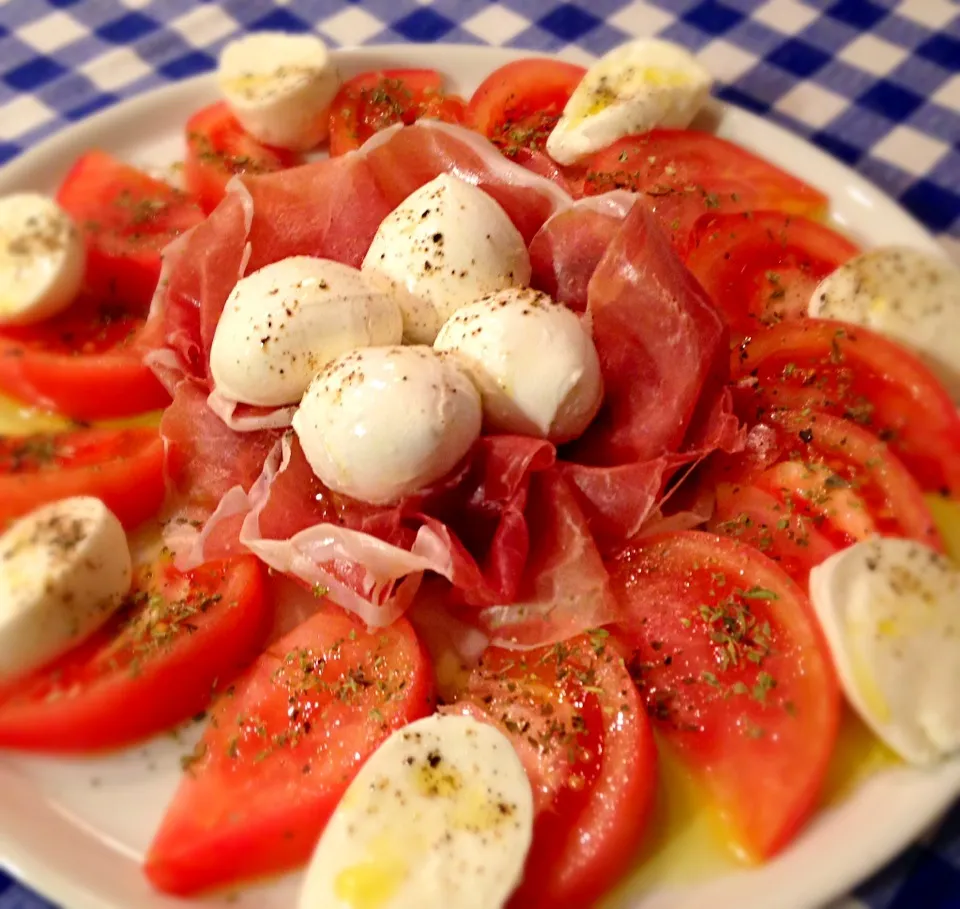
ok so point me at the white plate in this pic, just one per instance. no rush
(76, 830)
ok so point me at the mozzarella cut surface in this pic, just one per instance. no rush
(634, 88)
(445, 245)
(282, 324)
(909, 296)
(64, 570)
(42, 259)
(533, 361)
(381, 423)
(890, 610)
(280, 86)
(440, 816)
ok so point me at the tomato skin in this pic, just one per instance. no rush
(372, 101)
(127, 217)
(281, 748)
(583, 839)
(517, 106)
(761, 267)
(218, 149)
(685, 174)
(851, 372)
(86, 364)
(121, 467)
(121, 686)
(736, 676)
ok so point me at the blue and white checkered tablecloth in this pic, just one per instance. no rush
(874, 82)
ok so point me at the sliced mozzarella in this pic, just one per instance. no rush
(638, 86)
(284, 323)
(890, 609)
(41, 259)
(64, 569)
(443, 246)
(440, 816)
(533, 361)
(909, 296)
(280, 86)
(381, 423)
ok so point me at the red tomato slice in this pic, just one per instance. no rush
(373, 101)
(127, 218)
(760, 268)
(86, 364)
(731, 663)
(579, 727)
(218, 149)
(853, 373)
(122, 467)
(152, 666)
(281, 748)
(685, 174)
(518, 105)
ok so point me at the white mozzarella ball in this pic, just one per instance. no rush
(280, 87)
(64, 570)
(381, 423)
(909, 296)
(640, 85)
(443, 246)
(42, 259)
(890, 610)
(284, 323)
(440, 816)
(532, 359)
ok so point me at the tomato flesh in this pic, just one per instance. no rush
(517, 106)
(281, 748)
(86, 363)
(372, 101)
(152, 666)
(218, 149)
(853, 373)
(761, 267)
(127, 217)
(121, 467)
(730, 661)
(579, 727)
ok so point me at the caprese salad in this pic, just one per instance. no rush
(511, 440)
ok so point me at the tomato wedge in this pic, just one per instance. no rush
(854, 373)
(127, 217)
(729, 658)
(281, 748)
(578, 724)
(152, 666)
(86, 363)
(685, 174)
(218, 149)
(121, 467)
(760, 268)
(373, 101)
(517, 106)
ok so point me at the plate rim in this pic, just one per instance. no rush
(45, 875)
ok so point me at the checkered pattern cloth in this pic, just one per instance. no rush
(874, 82)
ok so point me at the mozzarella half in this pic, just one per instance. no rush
(445, 245)
(909, 296)
(890, 609)
(635, 87)
(284, 323)
(280, 87)
(381, 423)
(64, 570)
(42, 259)
(440, 816)
(533, 361)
